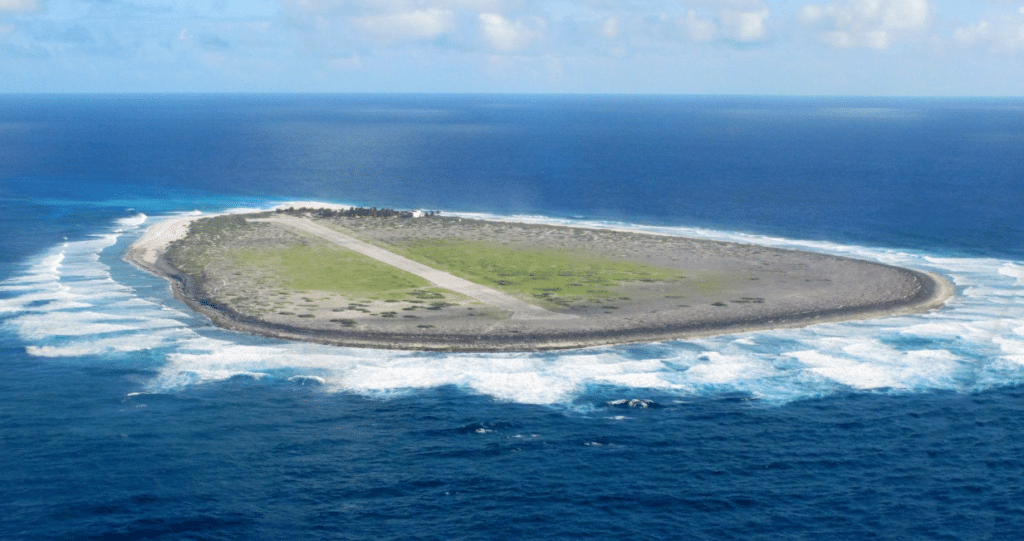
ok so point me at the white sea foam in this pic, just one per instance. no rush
(1013, 271)
(306, 380)
(715, 368)
(68, 303)
(132, 221)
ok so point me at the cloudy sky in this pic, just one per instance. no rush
(800, 47)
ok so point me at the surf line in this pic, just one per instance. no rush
(521, 310)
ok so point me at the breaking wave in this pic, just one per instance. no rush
(81, 300)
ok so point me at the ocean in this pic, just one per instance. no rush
(124, 416)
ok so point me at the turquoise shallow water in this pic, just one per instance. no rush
(125, 416)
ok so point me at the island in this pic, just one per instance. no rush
(382, 278)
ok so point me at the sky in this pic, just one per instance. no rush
(760, 47)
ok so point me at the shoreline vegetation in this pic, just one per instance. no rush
(389, 279)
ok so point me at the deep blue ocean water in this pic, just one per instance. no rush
(123, 416)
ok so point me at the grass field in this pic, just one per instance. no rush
(542, 275)
(546, 276)
(327, 268)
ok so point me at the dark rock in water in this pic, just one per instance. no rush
(634, 403)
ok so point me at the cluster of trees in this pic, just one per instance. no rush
(356, 212)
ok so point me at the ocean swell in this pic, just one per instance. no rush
(73, 303)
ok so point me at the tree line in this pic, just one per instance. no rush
(354, 212)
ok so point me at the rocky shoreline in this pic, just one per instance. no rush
(780, 289)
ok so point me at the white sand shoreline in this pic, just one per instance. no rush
(158, 237)
(146, 251)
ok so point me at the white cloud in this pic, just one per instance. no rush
(20, 6)
(739, 25)
(697, 29)
(369, 25)
(1006, 35)
(866, 23)
(972, 35)
(744, 26)
(611, 28)
(346, 62)
(413, 25)
(527, 26)
(383, 7)
(505, 35)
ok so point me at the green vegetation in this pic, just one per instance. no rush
(303, 264)
(547, 276)
(352, 212)
(326, 268)
(193, 253)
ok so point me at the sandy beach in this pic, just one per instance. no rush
(146, 251)
(722, 287)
